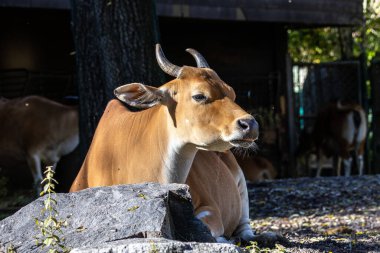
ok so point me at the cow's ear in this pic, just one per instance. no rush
(139, 95)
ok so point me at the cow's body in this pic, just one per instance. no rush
(165, 143)
(110, 161)
(38, 130)
(339, 132)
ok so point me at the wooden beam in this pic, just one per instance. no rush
(309, 12)
(296, 12)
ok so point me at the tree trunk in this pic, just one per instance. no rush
(114, 42)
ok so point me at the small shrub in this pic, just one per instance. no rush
(50, 227)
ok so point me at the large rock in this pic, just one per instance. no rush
(158, 245)
(107, 214)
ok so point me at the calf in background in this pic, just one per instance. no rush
(340, 132)
(256, 168)
(37, 130)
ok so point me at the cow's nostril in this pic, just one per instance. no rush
(243, 124)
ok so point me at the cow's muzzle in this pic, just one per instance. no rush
(249, 132)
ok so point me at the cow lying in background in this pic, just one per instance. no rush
(38, 130)
(256, 168)
(339, 132)
(174, 141)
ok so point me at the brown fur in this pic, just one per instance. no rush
(339, 131)
(256, 168)
(36, 129)
(132, 147)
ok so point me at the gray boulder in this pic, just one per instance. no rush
(107, 214)
(158, 245)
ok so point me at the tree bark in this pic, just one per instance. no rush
(114, 42)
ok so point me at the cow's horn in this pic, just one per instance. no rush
(201, 61)
(166, 66)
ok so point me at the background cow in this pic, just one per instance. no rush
(339, 132)
(256, 168)
(37, 130)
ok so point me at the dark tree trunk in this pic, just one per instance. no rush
(114, 41)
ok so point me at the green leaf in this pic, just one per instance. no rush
(46, 187)
(133, 208)
(47, 222)
(48, 241)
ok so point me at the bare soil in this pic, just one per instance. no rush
(330, 214)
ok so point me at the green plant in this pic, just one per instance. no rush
(316, 45)
(11, 249)
(153, 248)
(50, 227)
(254, 248)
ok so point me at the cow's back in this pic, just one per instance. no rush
(126, 159)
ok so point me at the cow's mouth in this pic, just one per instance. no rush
(243, 143)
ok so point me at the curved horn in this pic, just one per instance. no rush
(201, 61)
(166, 66)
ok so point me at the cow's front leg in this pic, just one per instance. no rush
(319, 163)
(243, 232)
(360, 165)
(34, 163)
(347, 163)
(338, 165)
(212, 219)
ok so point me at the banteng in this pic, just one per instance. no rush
(256, 168)
(176, 139)
(339, 132)
(38, 130)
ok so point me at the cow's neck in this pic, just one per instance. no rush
(177, 164)
(177, 157)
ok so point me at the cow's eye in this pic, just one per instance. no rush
(199, 98)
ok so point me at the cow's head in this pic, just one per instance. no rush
(201, 105)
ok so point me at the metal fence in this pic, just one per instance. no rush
(315, 85)
(21, 82)
(375, 101)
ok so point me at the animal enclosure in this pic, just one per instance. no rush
(316, 85)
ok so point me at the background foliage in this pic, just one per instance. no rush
(325, 44)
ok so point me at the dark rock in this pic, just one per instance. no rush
(107, 214)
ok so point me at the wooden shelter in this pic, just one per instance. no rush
(244, 41)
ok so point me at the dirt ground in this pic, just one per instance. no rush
(329, 214)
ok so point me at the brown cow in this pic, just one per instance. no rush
(38, 130)
(183, 121)
(256, 168)
(339, 132)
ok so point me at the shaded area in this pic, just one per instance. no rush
(335, 214)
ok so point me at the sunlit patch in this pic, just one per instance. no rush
(203, 214)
